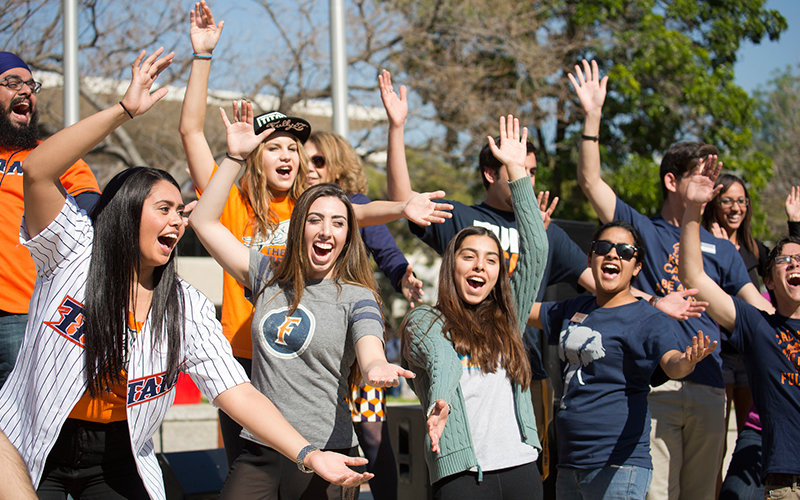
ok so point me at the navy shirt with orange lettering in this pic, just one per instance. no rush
(772, 346)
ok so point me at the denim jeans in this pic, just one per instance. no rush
(12, 329)
(612, 482)
(743, 479)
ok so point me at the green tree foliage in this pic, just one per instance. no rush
(671, 78)
(778, 116)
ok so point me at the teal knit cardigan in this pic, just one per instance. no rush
(437, 366)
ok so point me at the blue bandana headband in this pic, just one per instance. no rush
(9, 61)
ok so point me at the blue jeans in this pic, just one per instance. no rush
(612, 482)
(743, 479)
(12, 329)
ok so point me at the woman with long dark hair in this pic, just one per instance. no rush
(473, 372)
(610, 344)
(316, 312)
(111, 325)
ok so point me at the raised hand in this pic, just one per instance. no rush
(513, 147)
(701, 187)
(422, 210)
(677, 306)
(590, 88)
(436, 422)
(385, 374)
(138, 99)
(203, 32)
(543, 198)
(793, 204)
(411, 287)
(700, 348)
(335, 468)
(242, 139)
(396, 106)
(717, 231)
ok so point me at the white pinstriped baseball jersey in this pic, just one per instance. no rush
(48, 378)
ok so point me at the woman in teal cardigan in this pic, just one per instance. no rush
(472, 370)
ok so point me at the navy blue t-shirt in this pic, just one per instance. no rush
(659, 276)
(608, 356)
(565, 260)
(381, 245)
(771, 344)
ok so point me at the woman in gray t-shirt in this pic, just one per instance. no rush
(316, 313)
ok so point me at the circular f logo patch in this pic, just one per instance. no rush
(287, 336)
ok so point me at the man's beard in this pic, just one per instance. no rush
(19, 136)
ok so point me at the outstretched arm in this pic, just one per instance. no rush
(793, 211)
(591, 91)
(397, 179)
(204, 34)
(419, 209)
(44, 196)
(677, 364)
(375, 369)
(256, 413)
(216, 238)
(700, 190)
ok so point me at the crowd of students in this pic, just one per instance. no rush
(300, 348)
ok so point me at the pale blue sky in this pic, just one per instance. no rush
(757, 63)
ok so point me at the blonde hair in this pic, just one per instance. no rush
(342, 161)
(255, 189)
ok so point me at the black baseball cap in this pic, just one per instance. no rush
(277, 120)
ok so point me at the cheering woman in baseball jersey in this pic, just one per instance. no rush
(111, 324)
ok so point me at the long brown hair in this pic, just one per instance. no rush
(352, 264)
(342, 161)
(713, 213)
(255, 190)
(488, 332)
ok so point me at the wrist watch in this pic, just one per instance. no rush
(302, 455)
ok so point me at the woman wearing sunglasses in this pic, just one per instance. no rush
(610, 344)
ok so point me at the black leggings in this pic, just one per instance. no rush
(374, 440)
(91, 460)
(522, 482)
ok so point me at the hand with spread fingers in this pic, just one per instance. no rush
(203, 32)
(242, 139)
(335, 468)
(396, 105)
(138, 99)
(543, 198)
(411, 287)
(513, 148)
(423, 211)
(701, 187)
(793, 204)
(589, 87)
(681, 305)
(436, 422)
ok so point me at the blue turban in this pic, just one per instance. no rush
(9, 61)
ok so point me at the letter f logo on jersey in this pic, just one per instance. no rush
(70, 324)
(285, 336)
(286, 329)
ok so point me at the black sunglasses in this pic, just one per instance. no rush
(625, 251)
(318, 161)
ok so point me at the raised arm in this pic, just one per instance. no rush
(527, 276)
(700, 190)
(204, 34)
(44, 196)
(397, 180)
(226, 249)
(591, 91)
(793, 211)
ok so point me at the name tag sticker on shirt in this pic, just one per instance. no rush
(578, 317)
(708, 248)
